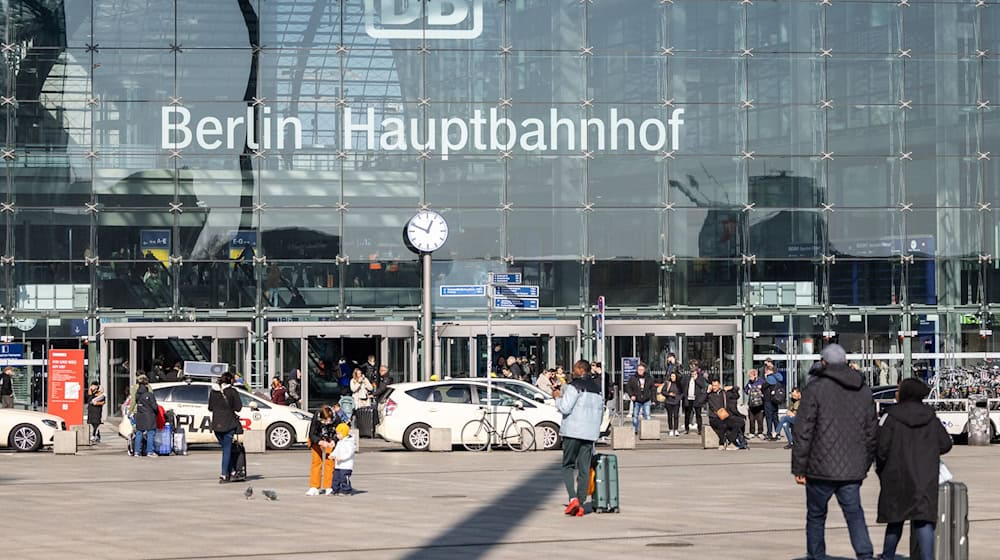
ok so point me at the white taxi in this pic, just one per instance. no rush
(412, 409)
(26, 430)
(283, 425)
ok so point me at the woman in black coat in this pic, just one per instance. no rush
(224, 403)
(145, 417)
(911, 441)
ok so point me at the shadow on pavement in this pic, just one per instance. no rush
(487, 526)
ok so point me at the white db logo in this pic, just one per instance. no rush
(443, 19)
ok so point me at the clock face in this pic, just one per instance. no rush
(427, 231)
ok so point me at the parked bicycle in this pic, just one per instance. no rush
(519, 435)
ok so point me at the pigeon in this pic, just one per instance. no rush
(271, 495)
(249, 493)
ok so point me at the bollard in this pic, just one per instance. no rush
(622, 437)
(649, 429)
(254, 441)
(539, 439)
(440, 439)
(82, 434)
(356, 434)
(64, 443)
(709, 439)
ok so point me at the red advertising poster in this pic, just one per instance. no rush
(66, 385)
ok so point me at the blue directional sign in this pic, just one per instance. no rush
(630, 368)
(463, 291)
(506, 277)
(510, 303)
(10, 352)
(516, 291)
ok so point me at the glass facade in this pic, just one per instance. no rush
(834, 171)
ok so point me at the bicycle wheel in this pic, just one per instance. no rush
(520, 435)
(475, 435)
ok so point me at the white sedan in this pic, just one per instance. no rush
(412, 409)
(26, 430)
(283, 425)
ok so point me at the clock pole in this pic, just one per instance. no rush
(427, 327)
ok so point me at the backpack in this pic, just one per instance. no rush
(778, 395)
(756, 398)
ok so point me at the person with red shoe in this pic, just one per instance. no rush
(582, 408)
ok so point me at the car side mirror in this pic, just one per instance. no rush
(539, 398)
(519, 405)
(253, 405)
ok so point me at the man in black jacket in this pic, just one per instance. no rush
(724, 416)
(695, 393)
(835, 435)
(642, 391)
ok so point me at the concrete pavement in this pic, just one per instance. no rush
(676, 503)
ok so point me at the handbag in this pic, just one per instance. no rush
(660, 397)
(723, 413)
(592, 486)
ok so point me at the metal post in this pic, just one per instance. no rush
(489, 349)
(428, 341)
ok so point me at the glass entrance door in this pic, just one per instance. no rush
(461, 349)
(326, 354)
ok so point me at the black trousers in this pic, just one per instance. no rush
(673, 415)
(728, 430)
(689, 411)
(757, 419)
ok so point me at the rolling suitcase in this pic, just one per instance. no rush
(951, 533)
(366, 421)
(959, 522)
(163, 441)
(605, 483)
(237, 462)
(180, 442)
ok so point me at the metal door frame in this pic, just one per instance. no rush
(164, 331)
(504, 328)
(303, 330)
(680, 328)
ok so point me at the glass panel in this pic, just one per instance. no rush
(626, 282)
(546, 181)
(546, 24)
(696, 25)
(863, 27)
(785, 79)
(864, 80)
(131, 23)
(546, 234)
(626, 234)
(785, 26)
(866, 130)
(705, 78)
(704, 282)
(865, 182)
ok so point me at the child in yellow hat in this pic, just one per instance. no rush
(343, 456)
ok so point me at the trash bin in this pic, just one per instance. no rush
(980, 430)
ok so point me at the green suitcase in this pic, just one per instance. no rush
(605, 483)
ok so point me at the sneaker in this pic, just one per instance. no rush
(573, 506)
(722, 448)
(788, 446)
(223, 479)
(578, 513)
(312, 492)
(327, 492)
(153, 455)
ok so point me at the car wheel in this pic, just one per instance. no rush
(25, 437)
(417, 437)
(280, 436)
(550, 437)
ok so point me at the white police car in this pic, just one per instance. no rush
(283, 425)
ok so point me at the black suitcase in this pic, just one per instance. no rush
(237, 462)
(366, 421)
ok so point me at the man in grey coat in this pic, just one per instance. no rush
(835, 439)
(582, 409)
